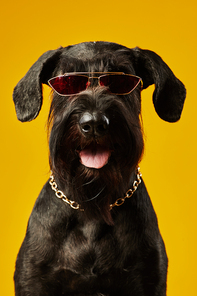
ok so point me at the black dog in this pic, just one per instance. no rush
(93, 229)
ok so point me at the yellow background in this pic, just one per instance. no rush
(29, 28)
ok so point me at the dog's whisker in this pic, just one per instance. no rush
(95, 195)
(89, 182)
(86, 184)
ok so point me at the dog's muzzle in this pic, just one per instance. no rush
(94, 126)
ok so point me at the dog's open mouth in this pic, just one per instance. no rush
(94, 156)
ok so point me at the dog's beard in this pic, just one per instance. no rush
(96, 189)
(93, 188)
(96, 171)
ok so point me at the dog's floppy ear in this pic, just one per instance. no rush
(27, 94)
(169, 93)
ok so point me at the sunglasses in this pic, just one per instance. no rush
(73, 83)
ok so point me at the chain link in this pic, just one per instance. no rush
(74, 205)
(129, 192)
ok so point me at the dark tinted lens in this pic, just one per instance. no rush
(69, 85)
(119, 84)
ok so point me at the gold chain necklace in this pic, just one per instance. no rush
(74, 205)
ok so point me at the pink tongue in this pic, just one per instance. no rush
(94, 157)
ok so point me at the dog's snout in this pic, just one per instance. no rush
(93, 124)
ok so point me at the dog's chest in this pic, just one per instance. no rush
(86, 245)
(91, 250)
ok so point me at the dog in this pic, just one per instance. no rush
(93, 230)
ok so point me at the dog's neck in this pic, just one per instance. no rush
(76, 206)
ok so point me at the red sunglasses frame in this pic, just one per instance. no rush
(87, 74)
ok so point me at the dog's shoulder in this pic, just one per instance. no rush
(48, 208)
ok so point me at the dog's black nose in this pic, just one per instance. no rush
(93, 124)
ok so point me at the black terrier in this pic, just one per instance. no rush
(93, 230)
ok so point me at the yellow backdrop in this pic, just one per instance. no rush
(29, 28)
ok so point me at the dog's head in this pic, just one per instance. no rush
(96, 139)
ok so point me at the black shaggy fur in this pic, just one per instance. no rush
(97, 251)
